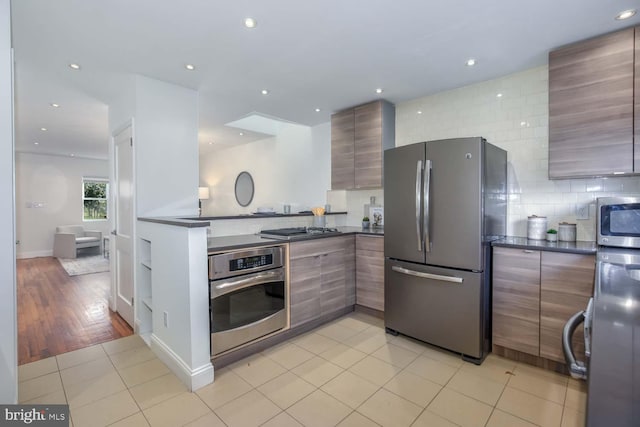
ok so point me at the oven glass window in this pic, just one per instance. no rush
(246, 306)
(621, 220)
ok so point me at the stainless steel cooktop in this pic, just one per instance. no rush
(298, 233)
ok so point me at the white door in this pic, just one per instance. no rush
(123, 224)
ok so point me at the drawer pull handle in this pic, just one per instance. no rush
(527, 251)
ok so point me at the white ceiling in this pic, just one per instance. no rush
(327, 54)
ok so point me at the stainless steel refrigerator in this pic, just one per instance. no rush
(444, 202)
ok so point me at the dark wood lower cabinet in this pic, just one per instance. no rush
(566, 284)
(534, 295)
(516, 299)
(370, 272)
(321, 275)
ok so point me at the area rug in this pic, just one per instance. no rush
(85, 265)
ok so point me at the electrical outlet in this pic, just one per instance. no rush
(582, 211)
(166, 319)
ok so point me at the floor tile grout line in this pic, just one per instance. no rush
(495, 406)
(401, 369)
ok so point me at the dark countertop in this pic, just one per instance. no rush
(579, 247)
(203, 221)
(613, 396)
(359, 230)
(226, 243)
(179, 222)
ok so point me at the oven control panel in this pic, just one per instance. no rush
(245, 261)
(250, 262)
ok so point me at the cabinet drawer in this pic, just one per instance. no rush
(370, 243)
(316, 247)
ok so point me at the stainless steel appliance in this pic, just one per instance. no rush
(612, 319)
(249, 296)
(618, 221)
(444, 203)
(613, 377)
(298, 232)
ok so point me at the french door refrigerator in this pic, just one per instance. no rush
(444, 202)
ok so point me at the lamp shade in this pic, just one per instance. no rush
(203, 193)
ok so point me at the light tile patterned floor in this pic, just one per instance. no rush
(346, 373)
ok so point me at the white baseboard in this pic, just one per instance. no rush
(194, 378)
(34, 254)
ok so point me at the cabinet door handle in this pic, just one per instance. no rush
(527, 251)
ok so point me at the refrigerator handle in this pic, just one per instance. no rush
(427, 190)
(418, 203)
(427, 275)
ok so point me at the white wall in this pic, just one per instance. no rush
(8, 331)
(518, 123)
(165, 126)
(292, 168)
(179, 291)
(55, 181)
(354, 202)
(166, 134)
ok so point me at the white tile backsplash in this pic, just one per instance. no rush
(517, 122)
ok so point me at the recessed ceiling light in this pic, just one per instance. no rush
(190, 67)
(36, 143)
(241, 134)
(264, 92)
(43, 129)
(499, 95)
(250, 23)
(318, 110)
(471, 62)
(74, 66)
(54, 105)
(524, 124)
(379, 90)
(625, 14)
(72, 155)
(419, 111)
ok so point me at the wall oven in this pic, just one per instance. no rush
(249, 296)
(618, 221)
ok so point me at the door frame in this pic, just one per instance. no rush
(113, 297)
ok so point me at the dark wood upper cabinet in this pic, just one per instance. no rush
(342, 150)
(591, 107)
(359, 135)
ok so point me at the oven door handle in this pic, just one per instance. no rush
(577, 369)
(226, 286)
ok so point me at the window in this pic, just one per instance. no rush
(95, 192)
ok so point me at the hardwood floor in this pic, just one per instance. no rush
(58, 313)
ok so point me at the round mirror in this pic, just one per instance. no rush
(244, 188)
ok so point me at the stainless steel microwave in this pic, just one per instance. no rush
(618, 221)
